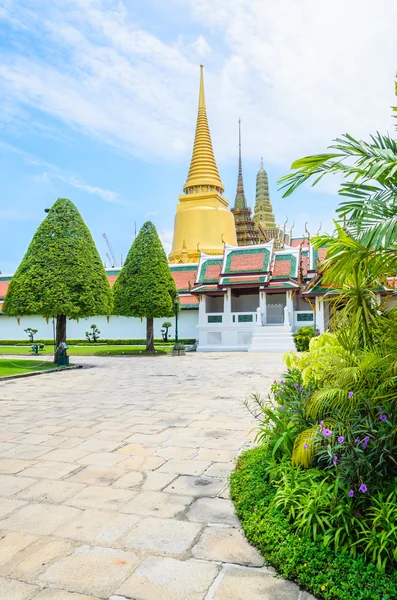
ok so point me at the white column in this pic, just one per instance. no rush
(227, 308)
(290, 306)
(262, 306)
(202, 310)
(320, 321)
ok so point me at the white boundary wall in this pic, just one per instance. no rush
(116, 328)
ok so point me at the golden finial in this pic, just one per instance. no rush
(201, 93)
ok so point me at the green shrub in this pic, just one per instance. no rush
(324, 572)
(302, 338)
(105, 342)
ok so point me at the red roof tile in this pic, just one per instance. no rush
(188, 300)
(305, 264)
(247, 262)
(282, 267)
(183, 278)
(112, 279)
(3, 288)
(212, 272)
(322, 254)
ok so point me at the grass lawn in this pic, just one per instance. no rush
(93, 350)
(16, 366)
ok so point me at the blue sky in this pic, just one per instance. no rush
(98, 102)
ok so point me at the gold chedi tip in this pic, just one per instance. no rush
(203, 173)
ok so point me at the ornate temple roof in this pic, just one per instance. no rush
(286, 264)
(209, 269)
(263, 211)
(203, 169)
(250, 259)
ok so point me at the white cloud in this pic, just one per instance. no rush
(166, 239)
(298, 73)
(107, 195)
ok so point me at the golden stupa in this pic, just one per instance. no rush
(203, 221)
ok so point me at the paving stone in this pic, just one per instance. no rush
(229, 444)
(244, 584)
(12, 544)
(39, 519)
(136, 450)
(50, 470)
(157, 481)
(220, 469)
(217, 456)
(50, 491)
(176, 452)
(34, 438)
(169, 579)
(51, 594)
(157, 504)
(185, 441)
(7, 506)
(67, 455)
(141, 463)
(184, 467)
(132, 480)
(98, 527)
(30, 568)
(12, 484)
(195, 486)
(213, 511)
(15, 590)
(88, 570)
(13, 465)
(101, 459)
(97, 445)
(25, 452)
(106, 498)
(168, 536)
(226, 545)
(306, 596)
(97, 476)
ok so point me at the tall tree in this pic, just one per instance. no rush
(61, 274)
(145, 286)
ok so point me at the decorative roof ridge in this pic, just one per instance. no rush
(240, 199)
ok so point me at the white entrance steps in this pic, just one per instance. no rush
(272, 338)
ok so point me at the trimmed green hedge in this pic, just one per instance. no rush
(100, 342)
(316, 568)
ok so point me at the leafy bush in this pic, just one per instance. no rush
(107, 342)
(326, 573)
(302, 338)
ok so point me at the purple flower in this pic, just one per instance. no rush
(357, 440)
(308, 394)
(305, 446)
(383, 417)
(281, 407)
(282, 382)
(365, 442)
(350, 395)
(301, 388)
(276, 394)
(351, 493)
(295, 385)
(275, 381)
(363, 488)
(335, 460)
(321, 423)
(327, 432)
(341, 439)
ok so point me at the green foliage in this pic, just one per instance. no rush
(164, 332)
(75, 342)
(314, 565)
(31, 333)
(61, 272)
(93, 335)
(302, 338)
(145, 286)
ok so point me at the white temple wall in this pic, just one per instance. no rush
(245, 302)
(116, 328)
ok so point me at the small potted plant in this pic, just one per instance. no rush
(178, 350)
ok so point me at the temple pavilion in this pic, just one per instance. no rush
(244, 283)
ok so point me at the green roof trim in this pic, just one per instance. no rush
(113, 272)
(183, 268)
(232, 281)
(293, 262)
(211, 262)
(248, 251)
(5, 278)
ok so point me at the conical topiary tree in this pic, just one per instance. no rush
(61, 274)
(145, 286)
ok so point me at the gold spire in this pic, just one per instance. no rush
(203, 171)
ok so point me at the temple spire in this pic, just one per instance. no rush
(203, 172)
(240, 202)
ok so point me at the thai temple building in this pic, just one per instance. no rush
(244, 284)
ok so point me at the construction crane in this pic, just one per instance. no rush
(113, 261)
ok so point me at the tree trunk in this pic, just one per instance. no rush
(149, 335)
(60, 334)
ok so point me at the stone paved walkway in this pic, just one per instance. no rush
(113, 481)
